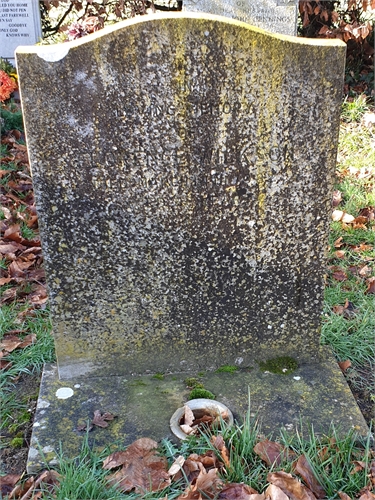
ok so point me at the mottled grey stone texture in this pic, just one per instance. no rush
(183, 168)
(278, 16)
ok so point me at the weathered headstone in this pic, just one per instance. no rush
(19, 25)
(277, 16)
(183, 168)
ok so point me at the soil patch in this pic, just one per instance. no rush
(16, 437)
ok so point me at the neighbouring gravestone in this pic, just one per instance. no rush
(19, 25)
(183, 166)
(277, 16)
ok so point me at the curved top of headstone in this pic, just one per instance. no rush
(55, 52)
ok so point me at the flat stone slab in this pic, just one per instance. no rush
(314, 393)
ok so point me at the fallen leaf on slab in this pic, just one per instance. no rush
(303, 468)
(101, 420)
(270, 452)
(143, 469)
(87, 427)
(275, 493)
(238, 491)
(290, 486)
(339, 215)
(344, 365)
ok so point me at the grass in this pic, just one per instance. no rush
(331, 457)
(27, 360)
(351, 335)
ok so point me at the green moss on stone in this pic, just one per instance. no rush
(193, 383)
(198, 393)
(158, 376)
(16, 442)
(138, 383)
(282, 365)
(227, 369)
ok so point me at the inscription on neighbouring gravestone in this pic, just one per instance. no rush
(278, 16)
(183, 190)
(19, 25)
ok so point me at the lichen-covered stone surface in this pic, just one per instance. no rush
(316, 395)
(183, 168)
(278, 16)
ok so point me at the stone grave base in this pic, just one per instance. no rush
(315, 393)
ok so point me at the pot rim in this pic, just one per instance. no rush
(197, 404)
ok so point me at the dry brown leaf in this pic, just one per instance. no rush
(303, 468)
(237, 491)
(344, 365)
(336, 198)
(290, 486)
(370, 285)
(338, 310)
(176, 466)
(343, 495)
(101, 420)
(358, 466)
(10, 342)
(206, 485)
(219, 443)
(340, 254)
(365, 271)
(368, 212)
(5, 281)
(372, 473)
(187, 429)
(275, 493)
(4, 364)
(7, 483)
(143, 469)
(21, 489)
(8, 295)
(367, 495)
(338, 243)
(340, 275)
(270, 452)
(188, 416)
(339, 215)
